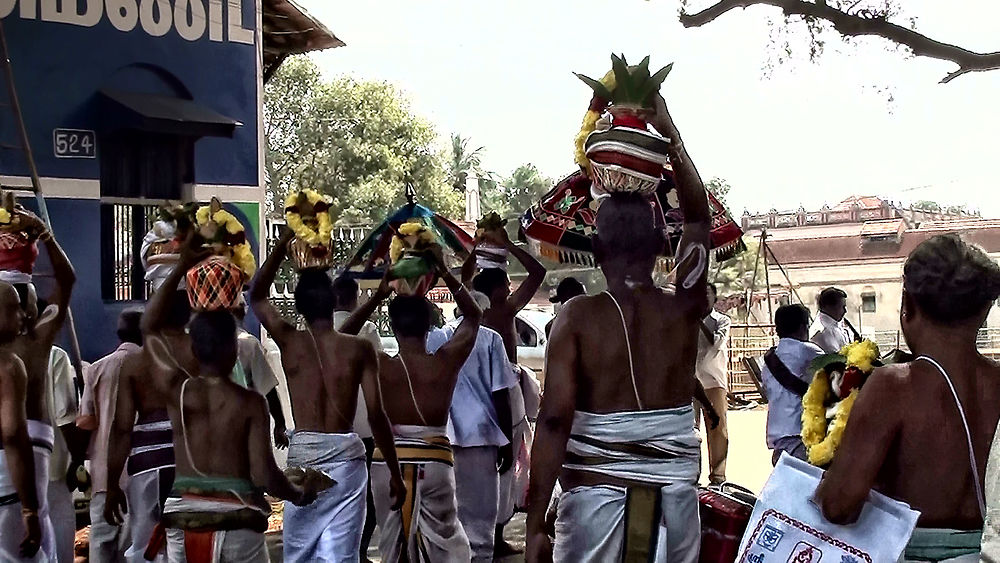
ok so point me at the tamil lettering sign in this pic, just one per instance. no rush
(189, 19)
(74, 143)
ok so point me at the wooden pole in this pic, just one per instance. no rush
(767, 279)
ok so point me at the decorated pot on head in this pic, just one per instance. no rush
(489, 255)
(412, 269)
(217, 282)
(161, 245)
(623, 155)
(307, 214)
(18, 248)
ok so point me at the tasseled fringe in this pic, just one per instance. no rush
(730, 251)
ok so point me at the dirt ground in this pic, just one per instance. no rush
(749, 465)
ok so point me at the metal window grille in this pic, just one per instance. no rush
(123, 227)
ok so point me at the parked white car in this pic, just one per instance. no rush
(531, 339)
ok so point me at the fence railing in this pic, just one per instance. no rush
(754, 340)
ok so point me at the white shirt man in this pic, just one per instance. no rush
(63, 411)
(476, 435)
(784, 412)
(829, 334)
(712, 371)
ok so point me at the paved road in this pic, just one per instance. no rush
(749, 465)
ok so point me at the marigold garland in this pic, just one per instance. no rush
(820, 438)
(590, 120)
(242, 253)
(411, 228)
(5, 217)
(323, 231)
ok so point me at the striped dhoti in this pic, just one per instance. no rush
(427, 527)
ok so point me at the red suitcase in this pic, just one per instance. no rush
(725, 513)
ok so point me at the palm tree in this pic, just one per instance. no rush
(463, 161)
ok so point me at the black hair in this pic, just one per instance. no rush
(830, 297)
(626, 228)
(22, 294)
(43, 304)
(130, 327)
(713, 289)
(790, 319)
(410, 315)
(178, 311)
(314, 298)
(345, 291)
(212, 334)
(489, 280)
(950, 280)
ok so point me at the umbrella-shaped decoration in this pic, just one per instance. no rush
(561, 226)
(372, 257)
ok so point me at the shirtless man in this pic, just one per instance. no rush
(19, 490)
(142, 435)
(417, 389)
(629, 388)
(222, 439)
(910, 413)
(325, 369)
(34, 347)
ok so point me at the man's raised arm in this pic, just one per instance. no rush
(356, 321)
(692, 252)
(260, 291)
(460, 345)
(62, 271)
(536, 272)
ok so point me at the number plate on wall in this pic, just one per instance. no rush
(74, 143)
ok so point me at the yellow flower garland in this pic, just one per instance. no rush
(408, 229)
(822, 439)
(589, 124)
(323, 233)
(242, 254)
(5, 217)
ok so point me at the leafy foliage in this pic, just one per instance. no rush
(719, 188)
(356, 140)
(463, 162)
(511, 196)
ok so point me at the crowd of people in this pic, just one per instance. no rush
(432, 445)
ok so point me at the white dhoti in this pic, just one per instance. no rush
(63, 516)
(476, 490)
(524, 400)
(330, 528)
(11, 525)
(427, 528)
(657, 448)
(151, 476)
(943, 546)
(217, 519)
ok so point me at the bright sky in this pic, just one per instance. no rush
(500, 73)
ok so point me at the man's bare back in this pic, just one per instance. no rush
(433, 378)
(926, 465)
(664, 348)
(324, 372)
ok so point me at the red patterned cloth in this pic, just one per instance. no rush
(214, 284)
(17, 252)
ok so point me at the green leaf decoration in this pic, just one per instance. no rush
(600, 90)
(623, 82)
(826, 361)
(655, 81)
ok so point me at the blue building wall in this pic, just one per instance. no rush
(63, 53)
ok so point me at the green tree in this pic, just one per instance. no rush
(516, 193)
(463, 161)
(926, 205)
(358, 141)
(736, 275)
(719, 188)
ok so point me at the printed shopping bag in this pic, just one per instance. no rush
(787, 527)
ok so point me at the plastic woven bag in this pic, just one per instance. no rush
(786, 526)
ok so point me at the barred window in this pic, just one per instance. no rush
(123, 227)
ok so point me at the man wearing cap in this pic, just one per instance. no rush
(567, 289)
(479, 429)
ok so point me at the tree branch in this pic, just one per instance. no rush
(853, 25)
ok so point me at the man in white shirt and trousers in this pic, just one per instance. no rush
(346, 292)
(786, 378)
(712, 372)
(831, 330)
(479, 424)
